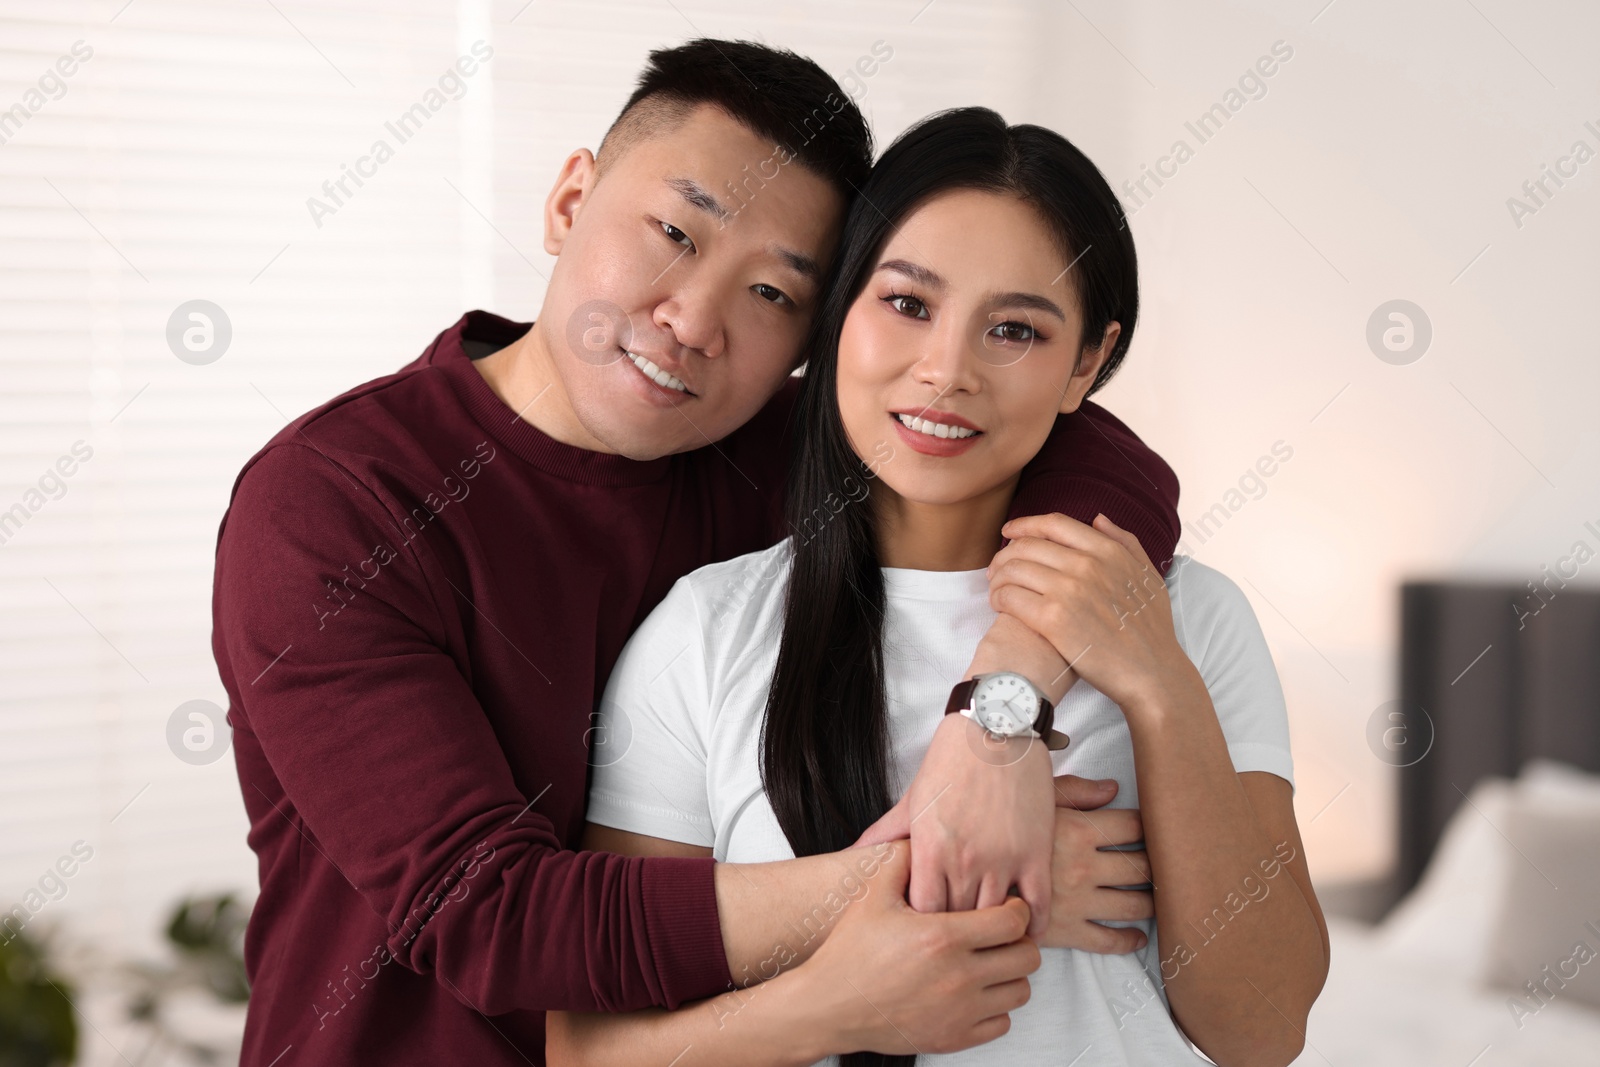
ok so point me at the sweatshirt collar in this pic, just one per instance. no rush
(517, 434)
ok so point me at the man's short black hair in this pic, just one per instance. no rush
(776, 94)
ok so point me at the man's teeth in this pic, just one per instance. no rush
(934, 429)
(656, 374)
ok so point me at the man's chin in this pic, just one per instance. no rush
(633, 441)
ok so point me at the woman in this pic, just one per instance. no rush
(778, 703)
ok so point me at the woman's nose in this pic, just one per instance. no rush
(951, 362)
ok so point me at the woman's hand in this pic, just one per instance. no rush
(978, 815)
(889, 979)
(1095, 596)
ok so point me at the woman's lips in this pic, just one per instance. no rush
(929, 445)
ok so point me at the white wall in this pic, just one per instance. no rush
(178, 164)
(1376, 166)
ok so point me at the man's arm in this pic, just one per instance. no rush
(1092, 462)
(383, 757)
(886, 979)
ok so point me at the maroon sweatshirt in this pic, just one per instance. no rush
(418, 600)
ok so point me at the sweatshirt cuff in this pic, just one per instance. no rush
(680, 901)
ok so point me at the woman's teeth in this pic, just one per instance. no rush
(934, 429)
(656, 374)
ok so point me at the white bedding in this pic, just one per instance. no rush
(1381, 1008)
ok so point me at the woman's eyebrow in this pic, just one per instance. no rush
(1027, 300)
(933, 280)
(915, 271)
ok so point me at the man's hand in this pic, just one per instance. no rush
(891, 980)
(1081, 874)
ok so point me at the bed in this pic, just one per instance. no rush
(1491, 954)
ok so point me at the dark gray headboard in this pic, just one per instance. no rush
(1534, 693)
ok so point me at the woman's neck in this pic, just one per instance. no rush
(941, 537)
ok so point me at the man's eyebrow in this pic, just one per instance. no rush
(924, 276)
(800, 263)
(697, 197)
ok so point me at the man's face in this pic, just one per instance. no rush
(700, 251)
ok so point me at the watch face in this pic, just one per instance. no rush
(1005, 704)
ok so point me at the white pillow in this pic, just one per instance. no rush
(1546, 929)
(1559, 783)
(1450, 918)
(1447, 919)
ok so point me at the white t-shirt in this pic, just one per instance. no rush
(682, 715)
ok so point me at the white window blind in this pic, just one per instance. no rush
(176, 163)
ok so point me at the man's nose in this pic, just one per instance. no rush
(694, 312)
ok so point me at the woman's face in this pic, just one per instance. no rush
(960, 350)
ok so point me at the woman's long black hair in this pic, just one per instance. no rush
(825, 738)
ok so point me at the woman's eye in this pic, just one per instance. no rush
(1013, 331)
(675, 235)
(908, 305)
(768, 292)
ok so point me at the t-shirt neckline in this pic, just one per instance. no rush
(905, 583)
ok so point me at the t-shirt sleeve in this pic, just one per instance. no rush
(379, 747)
(1225, 641)
(1092, 462)
(655, 717)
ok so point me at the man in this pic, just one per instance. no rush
(422, 585)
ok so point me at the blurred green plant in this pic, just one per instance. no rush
(36, 1024)
(207, 936)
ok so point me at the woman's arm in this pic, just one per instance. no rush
(1245, 950)
(880, 976)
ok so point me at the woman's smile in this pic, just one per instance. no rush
(935, 433)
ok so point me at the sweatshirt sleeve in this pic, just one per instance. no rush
(383, 758)
(1092, 462)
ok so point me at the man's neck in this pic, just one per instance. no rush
(523, 376)
(941, 537)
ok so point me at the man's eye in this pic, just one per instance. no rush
(768, 292)
(907, 305)
(675, 235)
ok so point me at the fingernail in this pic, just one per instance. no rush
(1106, 783)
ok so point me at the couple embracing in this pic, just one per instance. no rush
(728, 716)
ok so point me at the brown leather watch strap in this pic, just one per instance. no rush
(960, 696)
(1054, 740)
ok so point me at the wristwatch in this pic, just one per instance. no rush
(1008, 705)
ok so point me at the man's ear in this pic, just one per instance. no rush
(566, 198)
(1089, 362)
